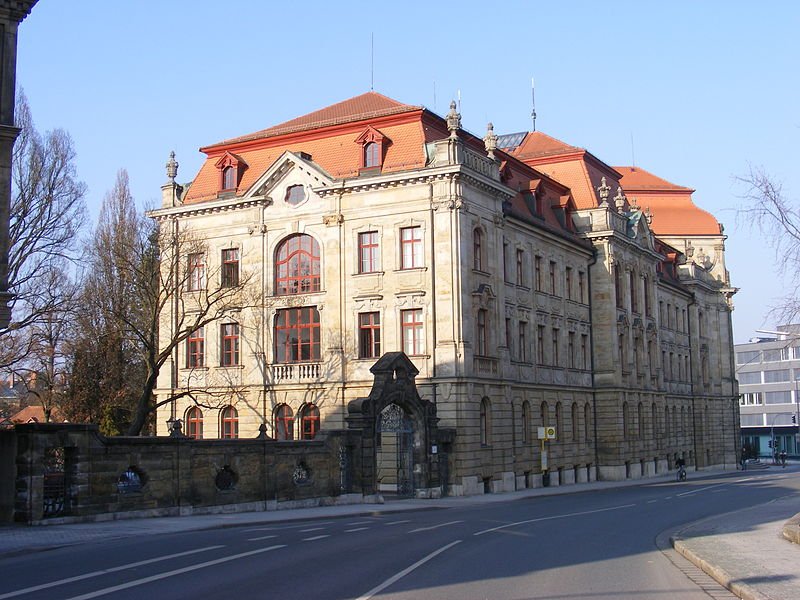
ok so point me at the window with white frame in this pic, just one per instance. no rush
(750, 378)
(777, 376)
(781, 397)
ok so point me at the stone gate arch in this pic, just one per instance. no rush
(394, 406)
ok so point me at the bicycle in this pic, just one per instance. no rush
(681, 473)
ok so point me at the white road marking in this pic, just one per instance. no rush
(137, 582)
(140, 563)
(575, 514)
(311, 529)
(651, 501)
(360, 523)
(701, 489)
(434, 526)
(406, 571)
(745, 479)
(263, 537)
(316, 537)
(397, 522)
(356, 529)
(258, 529)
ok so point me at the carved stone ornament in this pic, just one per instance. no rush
(619, 199)
(648, 215)
(634, 204)
(332, 220)
(453, 120)
(490, 141)
(172, 167)
(602, 191)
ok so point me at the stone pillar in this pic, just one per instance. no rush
(12, 12)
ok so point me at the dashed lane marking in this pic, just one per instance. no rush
(356, 529)
(311, 529)
(701, 489)
(315, 537)
(435, 526)
(263, 537)
(397, 522)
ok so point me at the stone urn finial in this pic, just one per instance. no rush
(453, 120)
(602, 191)
(172, 167)
(619, 199)
(490, 141)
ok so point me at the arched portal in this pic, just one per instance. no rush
(394, 452)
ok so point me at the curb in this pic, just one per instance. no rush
(722, 577)
(791, 529)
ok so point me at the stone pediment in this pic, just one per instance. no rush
(297, 166)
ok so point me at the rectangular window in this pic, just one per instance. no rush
(368, 252)
(411, 247)
(752, 420)
(537, 261)
(552, 278)
(555, 347)
(751, 399)
(776, 355)
(230, 267)
(369, 335)
(571, 349)
(751, 378)
(297, 335)
(520, 267)
(195, 349)
(508, 337)
(412, 331)
(581, 285)
(197, 272)
(480, 334)
(646, 297)
(634, 296)
(540, 344)
(523, 341)
(784, 397)
(751, 356)
(230, 344)
(777, 376)
(584, 351)
(618, 285)
(568, 282)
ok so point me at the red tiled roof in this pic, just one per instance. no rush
(34, 414)
(674, 212)
(358, 108)
(537, 143)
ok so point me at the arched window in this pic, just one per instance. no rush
(297, 335)
(545, 414)
(297, 268)
(477, 250)
(284, 422)
(486, 422)
(309, 422)
(194, 423)
(575, 423)
(640, 418)
(684, 422)
(230, 422)
(228, 178)
(372, 155)
(666, 421)
(526, 422)
(626, 421)
(654, 421)
(481, 347)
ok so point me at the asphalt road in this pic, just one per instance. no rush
(594, 545)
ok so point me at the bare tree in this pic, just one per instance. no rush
(47, 214)
(778, 218)
(139, 273)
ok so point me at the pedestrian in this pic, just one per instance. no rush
(783, 458)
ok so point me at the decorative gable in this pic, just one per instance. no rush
(290, 180)
(373, 144)
(230, 167)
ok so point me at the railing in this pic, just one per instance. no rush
(481, 164)
(484, 365)
(295, 372)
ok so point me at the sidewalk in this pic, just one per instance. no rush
(744, 551)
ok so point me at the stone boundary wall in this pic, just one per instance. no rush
(65, 471)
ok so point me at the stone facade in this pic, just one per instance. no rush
(521, 301)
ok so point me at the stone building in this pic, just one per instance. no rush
(524, 281)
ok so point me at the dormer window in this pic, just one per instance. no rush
(230, 169)
(373, 145)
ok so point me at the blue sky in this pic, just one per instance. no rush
(704, 89)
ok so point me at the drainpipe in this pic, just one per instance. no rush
(692, 302)
(342, 294)
(176, 261)
(263, 334)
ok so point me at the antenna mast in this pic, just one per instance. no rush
(533, 104)
(633, 154)
(372, 61)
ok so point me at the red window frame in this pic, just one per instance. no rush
(309, 422)
(368, 252)
(228, 178)
(297, 266)
(369, 335)
(411, 247)
(194, 423)
(230, 344)
(477, 250)
(284, 422)
(412, 328)
(230, 267)
(197, 272)
(195, 349)
(297, 335)
(230, 423)
(372, 155)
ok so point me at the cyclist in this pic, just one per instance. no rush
(783, 458)
(680, 463)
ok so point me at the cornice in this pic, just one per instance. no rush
(206, 208)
